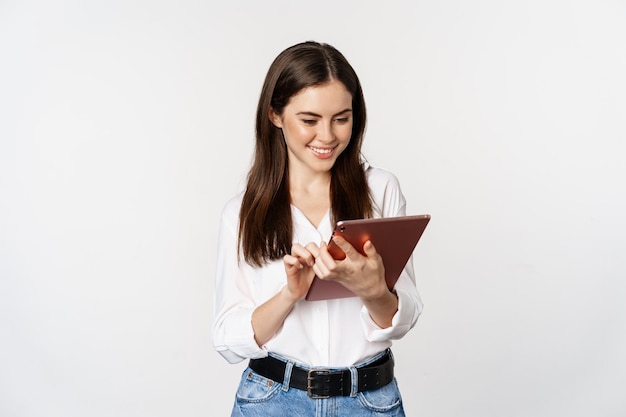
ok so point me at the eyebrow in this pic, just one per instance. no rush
(310, 113)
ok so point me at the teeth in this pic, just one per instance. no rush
(318, 150)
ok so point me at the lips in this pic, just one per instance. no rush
(322, 153)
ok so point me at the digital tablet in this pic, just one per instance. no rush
(394, 238)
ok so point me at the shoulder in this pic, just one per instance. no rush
(380, 178)
(230, 211)
(385, 192)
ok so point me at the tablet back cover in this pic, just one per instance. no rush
(394, 238)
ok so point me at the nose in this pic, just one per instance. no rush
(326, 134)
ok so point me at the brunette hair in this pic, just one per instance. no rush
(265, 231)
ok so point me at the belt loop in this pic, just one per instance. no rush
(287, 378)
(354, 381)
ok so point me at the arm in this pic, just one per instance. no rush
(382, 309)
(389, 201)
(246, 316)
(269, 316)
(234, 296)
(383, 305)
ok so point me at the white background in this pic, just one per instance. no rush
(126, 125)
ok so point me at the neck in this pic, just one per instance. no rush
(309, 184)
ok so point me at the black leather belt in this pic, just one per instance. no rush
(325, 383)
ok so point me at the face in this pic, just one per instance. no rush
(317, 125)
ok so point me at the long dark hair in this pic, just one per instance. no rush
(265, 231)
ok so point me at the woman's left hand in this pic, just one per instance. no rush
(364, 275)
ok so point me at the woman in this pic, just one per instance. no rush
(314, 358)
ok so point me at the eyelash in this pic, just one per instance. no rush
(312, 122)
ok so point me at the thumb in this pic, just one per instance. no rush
(346, 247)
(369, 249)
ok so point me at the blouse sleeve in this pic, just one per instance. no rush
(233, 300)
(390, 202)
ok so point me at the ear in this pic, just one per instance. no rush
(275, 119)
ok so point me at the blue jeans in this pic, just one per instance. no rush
(258, 396)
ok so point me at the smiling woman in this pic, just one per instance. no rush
(317, 126)
(307, 174)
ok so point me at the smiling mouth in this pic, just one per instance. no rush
(322, 151)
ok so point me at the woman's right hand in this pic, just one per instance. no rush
(299, 269)
(270, 316)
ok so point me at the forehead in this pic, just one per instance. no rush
(329, 97)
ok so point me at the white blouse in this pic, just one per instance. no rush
(331, 333)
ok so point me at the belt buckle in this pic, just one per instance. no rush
(310, 376)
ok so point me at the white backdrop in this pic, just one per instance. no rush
(126, 125)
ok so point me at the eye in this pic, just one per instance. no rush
(342, 120)
(310, 122)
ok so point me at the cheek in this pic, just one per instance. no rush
(298, 132)
(345, 132)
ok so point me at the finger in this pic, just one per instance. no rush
(325, 265)
(291, 262)
(369, 249)
(321, 270)
(372, 255)
(313, 249)
(325, 256)
(303, 254)
(346, 247)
